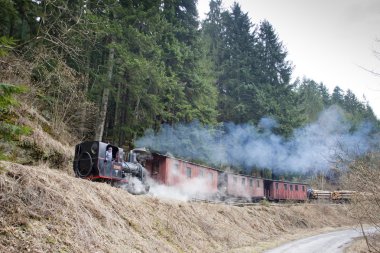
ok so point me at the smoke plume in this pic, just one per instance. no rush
(314, 147)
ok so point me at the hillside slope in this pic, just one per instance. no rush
(45, 210)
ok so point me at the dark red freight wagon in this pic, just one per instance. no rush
(241, 186)
(183, 174)
(281, 190)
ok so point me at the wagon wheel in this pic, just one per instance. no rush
(84, 166)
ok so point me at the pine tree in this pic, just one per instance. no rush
(337, 96)
(212, 32)
(277, 99)
(312, 99)
(161, 75)
(274, 68)
(236, 81)
(325, 94)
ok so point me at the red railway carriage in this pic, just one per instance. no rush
(242, 186)
(280, 190)
(180, 173)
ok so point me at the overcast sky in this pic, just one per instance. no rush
(329, 41)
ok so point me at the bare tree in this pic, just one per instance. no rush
(364, 178)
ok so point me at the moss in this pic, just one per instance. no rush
(32, 152)
(47, 129)
(38, 153)
(3, 157)
(265, 203)
(56, 159)
(50, 240)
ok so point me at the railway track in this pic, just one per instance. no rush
(244, 204)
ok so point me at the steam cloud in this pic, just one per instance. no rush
(195, 188)
(312, 148)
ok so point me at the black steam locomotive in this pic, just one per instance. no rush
(92, 162)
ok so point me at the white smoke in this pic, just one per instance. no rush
(313, 147)
(189, 190)
(185, 189)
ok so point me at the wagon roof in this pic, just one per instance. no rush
(242, 175)
(183, 160)
(205, 166)
(288, 182)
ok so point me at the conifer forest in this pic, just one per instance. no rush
(109, 70)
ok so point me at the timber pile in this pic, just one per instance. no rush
(342, 195)
(320, 194)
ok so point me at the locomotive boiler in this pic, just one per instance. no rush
(99, 161)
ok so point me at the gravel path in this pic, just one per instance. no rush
(333, 242)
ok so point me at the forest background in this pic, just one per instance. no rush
(110, 70)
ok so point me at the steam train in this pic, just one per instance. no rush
(132, 170)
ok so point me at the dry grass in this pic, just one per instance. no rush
(360, 246)
(44, 210)
(42, 145)
(53, 108)
(45, 147)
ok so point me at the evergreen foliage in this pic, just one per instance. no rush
(116, 68)
(315, 97)
(6, 44)
(253, 75)
(9, 130)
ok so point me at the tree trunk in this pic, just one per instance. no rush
(82, 129)
(106, 93)
(116, 135)
(123, 117)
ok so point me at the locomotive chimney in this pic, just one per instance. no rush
(132, 157)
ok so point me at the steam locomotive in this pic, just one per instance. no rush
(123, 170)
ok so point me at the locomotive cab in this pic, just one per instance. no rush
(90, 162)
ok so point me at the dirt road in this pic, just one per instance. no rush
(333, 242)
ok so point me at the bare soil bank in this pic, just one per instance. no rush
(45, 210)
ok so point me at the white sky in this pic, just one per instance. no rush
(329, 41)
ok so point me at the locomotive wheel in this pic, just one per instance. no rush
(84, 166)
